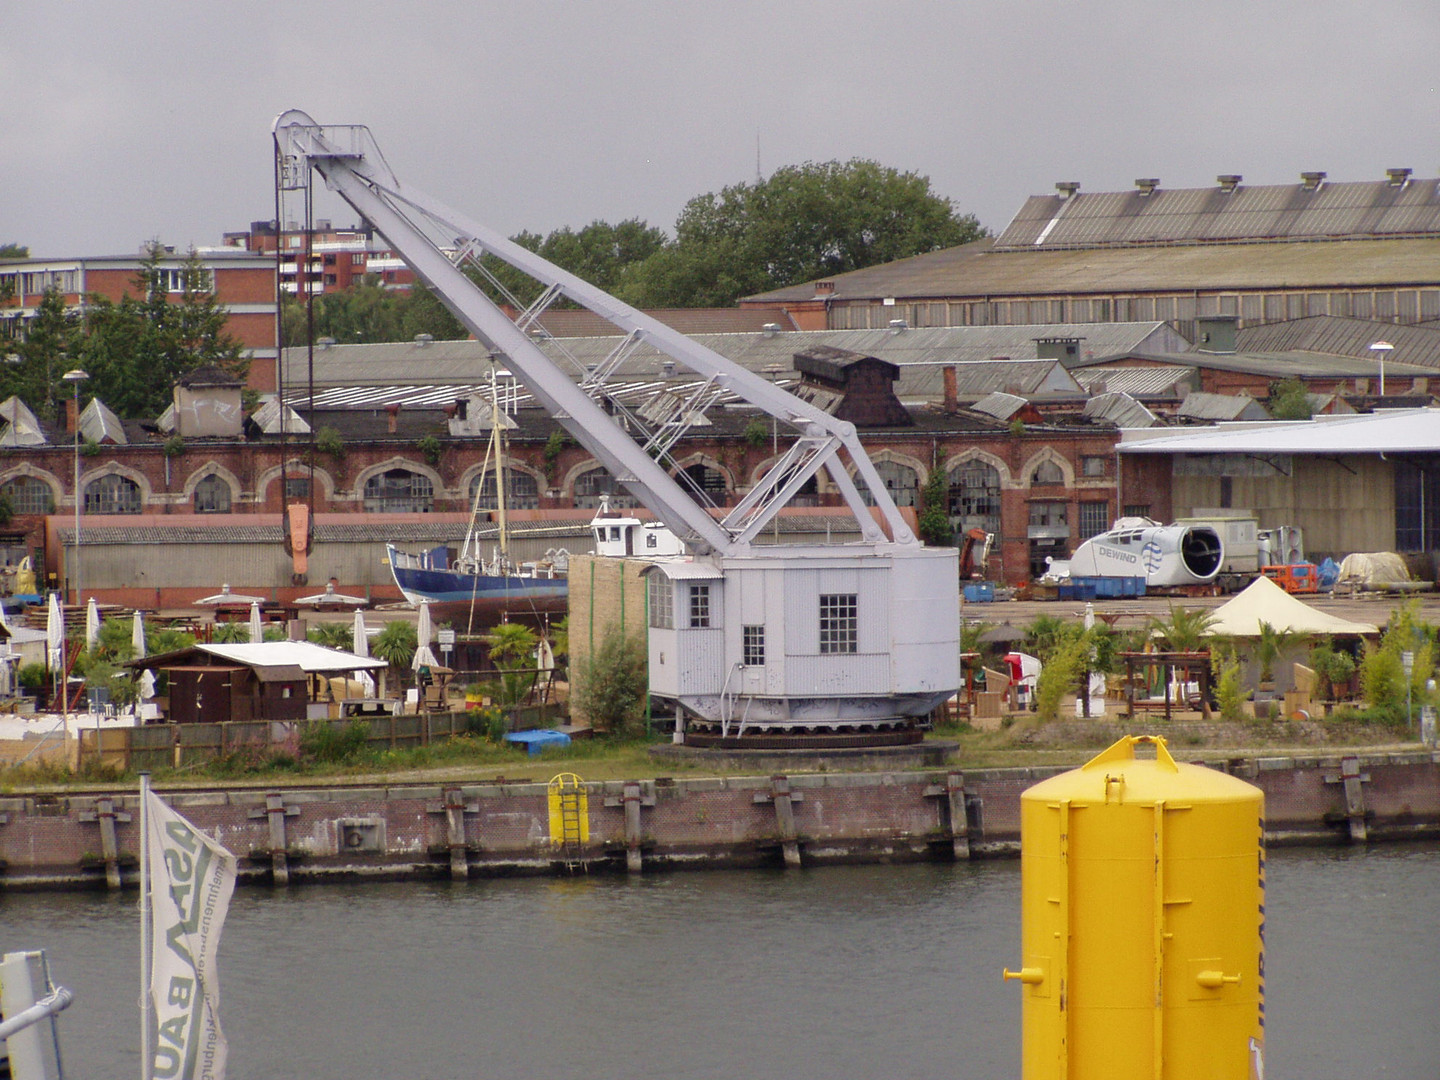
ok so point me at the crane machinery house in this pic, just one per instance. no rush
(856, 641)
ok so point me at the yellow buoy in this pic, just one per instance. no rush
(1143, 921)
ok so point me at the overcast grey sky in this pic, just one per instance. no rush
(127, 121)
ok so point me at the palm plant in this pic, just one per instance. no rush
(511, 644)
(396, 644)
(231, 633)
(333, 635)
(1270, 645)
(1185, 630)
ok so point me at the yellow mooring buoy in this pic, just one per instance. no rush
(1143, 921)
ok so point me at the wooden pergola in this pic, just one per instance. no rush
(1182, 664)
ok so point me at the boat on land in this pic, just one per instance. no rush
(472, 588)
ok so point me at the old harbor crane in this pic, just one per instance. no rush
(835, 643)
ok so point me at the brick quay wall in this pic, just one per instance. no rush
(301, 834)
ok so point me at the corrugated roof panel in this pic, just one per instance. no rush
(1249, 212)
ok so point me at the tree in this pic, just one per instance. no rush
(511, 646)
(803, 222)
(1290, 400)
(136, 349)
(611, 685)
(396, 644)
(53, 336)
(934, 524)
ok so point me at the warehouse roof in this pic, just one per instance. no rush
(1227, 213)
(1394, 431)
(1345, 337)
(979, 270)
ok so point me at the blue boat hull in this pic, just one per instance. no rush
(486, 593)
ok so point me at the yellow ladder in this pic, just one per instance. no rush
(569, 818)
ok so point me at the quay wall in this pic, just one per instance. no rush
(294, 834)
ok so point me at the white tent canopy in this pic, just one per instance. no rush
(1264, 601)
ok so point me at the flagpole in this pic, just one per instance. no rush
(145, 959)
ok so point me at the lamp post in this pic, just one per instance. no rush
(75, 378)
(1381, 349)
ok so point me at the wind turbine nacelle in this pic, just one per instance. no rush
(1164, 555)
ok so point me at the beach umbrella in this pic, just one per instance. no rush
(545, 656)
(257, 632)
(423, 633)
(359, 641)
(137, 635)
(92, 624)
(54, 632)
(147, 685)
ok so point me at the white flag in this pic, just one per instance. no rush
(191, 879)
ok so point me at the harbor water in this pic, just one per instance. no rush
(854, 972)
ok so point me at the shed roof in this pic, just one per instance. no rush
(304, 655)
(1202, 406)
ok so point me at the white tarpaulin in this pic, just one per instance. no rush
(1373, 568)
(1264, 601)
(191, 879)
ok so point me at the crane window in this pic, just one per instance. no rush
(839, 623)
(699, 606)
(753, 646)
(662, 602)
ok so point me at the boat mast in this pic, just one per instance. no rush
(497, 435)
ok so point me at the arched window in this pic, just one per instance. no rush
(399, 491)
(590, 485)
(212, 496)
(901, 481)
(521, 491)
(707, 481)
(975, 497)
(28, 495)
(1047, 472)
(112, 494)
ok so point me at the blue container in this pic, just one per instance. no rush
(537, 740)
(980, 593)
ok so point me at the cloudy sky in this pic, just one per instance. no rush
(125, 121)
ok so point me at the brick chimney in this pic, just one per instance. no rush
(72, 419)
(952, 392)
(392, 417)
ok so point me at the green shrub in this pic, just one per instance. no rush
(1229, 687)
(32, 677)
(1061, 673)
(335, 744)
(329, 441)
(611, 686)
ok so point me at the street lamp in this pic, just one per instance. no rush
(75, 378)
(1381, 349)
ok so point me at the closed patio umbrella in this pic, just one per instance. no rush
(92, 624)
(54, 633)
